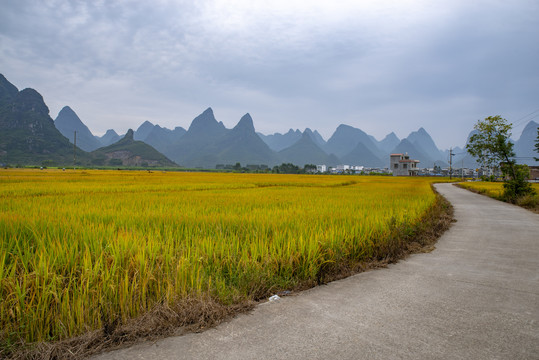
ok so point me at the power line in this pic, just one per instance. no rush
(525, 118)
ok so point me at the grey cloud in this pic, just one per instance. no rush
(161, 60)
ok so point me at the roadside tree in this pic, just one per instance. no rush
(492, 147)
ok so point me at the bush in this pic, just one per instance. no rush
(518, 187)
(528, 201)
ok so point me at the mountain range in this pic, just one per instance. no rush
(207, 142)
(27, 132)
(28, 136)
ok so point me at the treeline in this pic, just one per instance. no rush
(284, 168)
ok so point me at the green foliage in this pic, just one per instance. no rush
(518, 186)
(491, 178)
(287, 168)
(491, 146)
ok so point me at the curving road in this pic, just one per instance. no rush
(475, 297)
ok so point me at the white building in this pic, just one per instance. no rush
(321, 168)
(402, 165)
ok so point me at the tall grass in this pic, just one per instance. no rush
(82, 250)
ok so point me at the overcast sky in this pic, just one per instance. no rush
(377, 65)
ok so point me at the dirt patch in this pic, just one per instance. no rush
(186, 315)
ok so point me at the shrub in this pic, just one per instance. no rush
(518, 186)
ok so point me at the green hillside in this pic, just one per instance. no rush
(129, 152)
(27, 132)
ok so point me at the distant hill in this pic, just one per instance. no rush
(27, 132)
(204, 131)
(346, 138)
(421, 139)
(129, 152)
(278, 142)
(525, 145)
(361, 155)
(388, 143)
(109, 138)
(143, 131)
(306, 151)
(8, 91)
(427, 150)
(317, 138)
(67, 122)
(241, 144)
(405, 146)
(163, 138)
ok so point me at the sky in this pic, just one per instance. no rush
(378, 65)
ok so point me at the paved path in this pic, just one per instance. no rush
(475, 297)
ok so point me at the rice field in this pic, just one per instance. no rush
(492, 189)
(80, 246)
(495, 190)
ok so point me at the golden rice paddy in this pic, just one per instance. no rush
(76, 244)
(492, 189)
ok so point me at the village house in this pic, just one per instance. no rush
(402, 165)
(321, 168)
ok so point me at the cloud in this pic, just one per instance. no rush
(289, 63)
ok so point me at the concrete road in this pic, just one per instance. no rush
(475, 297)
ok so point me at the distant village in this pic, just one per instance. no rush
(403, 165)
(400, 165)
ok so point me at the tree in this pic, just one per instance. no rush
(286, 168)
(309, 168)
(492, 147)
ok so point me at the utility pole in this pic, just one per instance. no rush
(74, 150)
(450, 162)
